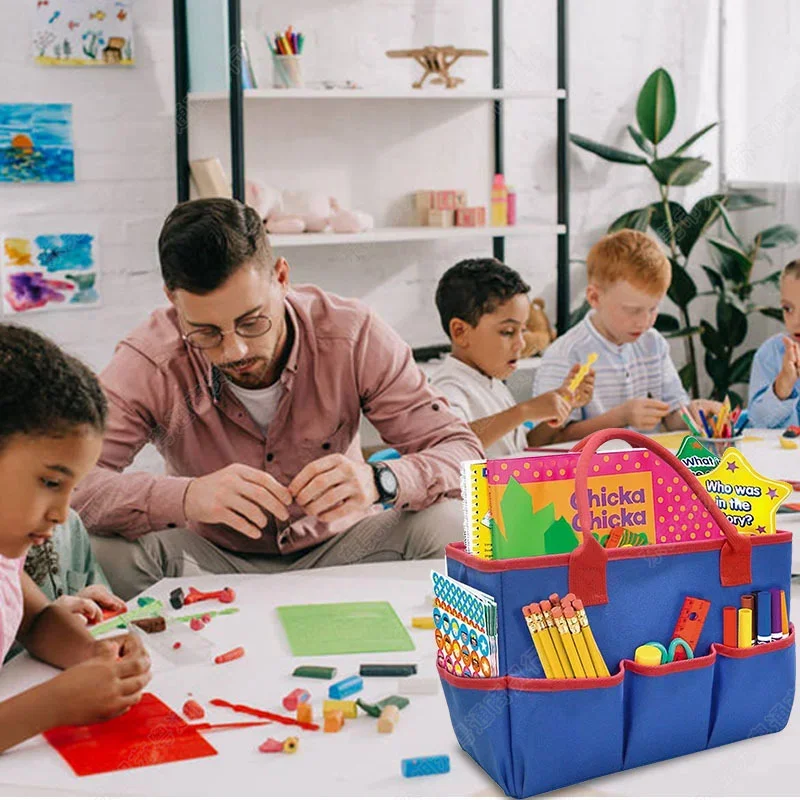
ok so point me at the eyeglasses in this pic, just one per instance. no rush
(208, 338)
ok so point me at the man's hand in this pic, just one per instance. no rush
(644, 413)
(334, 487)
(238, 496)
(790, 370)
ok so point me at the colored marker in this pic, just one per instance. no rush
(704, 420)
(556, 638)
(784, 616)
(775, 595)
(749, 602)
(741, 423)
(764, 618)
(687, 418)
(729, 637)
(345, 687)
(745, 627)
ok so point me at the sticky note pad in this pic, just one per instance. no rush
(325, 629)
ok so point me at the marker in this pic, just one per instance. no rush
(749, 602)
(745, 627)
(775, 594)
(764, 617)
(741, 423)
(729, 637)
(784, 617)
(581, 373)
(704, 420)
(690, 422)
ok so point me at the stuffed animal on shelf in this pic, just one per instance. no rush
(540, 332)
(304, 212)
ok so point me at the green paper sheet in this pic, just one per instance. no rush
(525, 529)
(330, 629)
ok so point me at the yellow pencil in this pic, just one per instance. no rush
(550, 629)
(535, 631)
(591, 644)
(580, 643)
(569, 643)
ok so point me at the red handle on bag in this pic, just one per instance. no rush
(588, 562)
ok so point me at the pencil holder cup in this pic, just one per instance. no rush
(719, 446)
(287, 72)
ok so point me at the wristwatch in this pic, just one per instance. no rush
(385, 483)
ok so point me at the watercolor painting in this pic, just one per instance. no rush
(76, 33)
(49, 271)
(36, 143)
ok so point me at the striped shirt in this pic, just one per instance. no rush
(765, 409)
(623, 372)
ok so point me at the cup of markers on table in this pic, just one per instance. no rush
(720, 431)
(287, 59)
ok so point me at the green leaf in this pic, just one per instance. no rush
(687, 375)
(660, 225)
(772, 313)
(682, 290)
(717, 368)
(606, 152)
(666, 323)
(715, 279)
(678, 171)
(579, 313)
(773, 278)
(684, 333)
(655, 108)
(777, 235)
(703, 214)
(641, 142)
(726, 220)
(741, 201)
(712, 340)
(732, 321)
(637, 220)
(692, 139)
(735, 398)
(740, 369)
(734, 264)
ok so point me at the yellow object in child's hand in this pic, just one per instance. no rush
(581, 373)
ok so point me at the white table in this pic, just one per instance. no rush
(356, 761)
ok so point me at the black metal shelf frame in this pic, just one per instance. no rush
(236, 104)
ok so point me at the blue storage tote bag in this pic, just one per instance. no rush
(633, 595)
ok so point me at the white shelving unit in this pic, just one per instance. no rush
(411, 234)
(450, 95)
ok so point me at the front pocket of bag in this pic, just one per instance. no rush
(564, 731)
(667, 709)
(753, 690)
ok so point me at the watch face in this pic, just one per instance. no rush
(388, 482)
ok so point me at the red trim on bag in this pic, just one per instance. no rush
(564, 684)
(460, 682)
(456, 551)
(687, 665)
(756, 650)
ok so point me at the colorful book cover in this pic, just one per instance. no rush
(466, 628)
(534, 509)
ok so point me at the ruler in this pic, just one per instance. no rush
(690, 624)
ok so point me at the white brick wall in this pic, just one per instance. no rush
(367, 155)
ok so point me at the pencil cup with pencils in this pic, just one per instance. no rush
(287, 72)
(720, 445)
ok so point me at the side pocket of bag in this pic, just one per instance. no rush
(667, 709)
(753, 690)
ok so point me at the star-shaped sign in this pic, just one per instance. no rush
(749, 500)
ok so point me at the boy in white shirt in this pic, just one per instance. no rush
(483, 306)
(637, 383)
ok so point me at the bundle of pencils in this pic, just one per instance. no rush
(725, 425)
(563, 638)
(288, 43)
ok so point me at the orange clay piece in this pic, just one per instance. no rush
(305, 713)
(231, 655)
(334, 720)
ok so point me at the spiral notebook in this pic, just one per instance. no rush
(477, 514)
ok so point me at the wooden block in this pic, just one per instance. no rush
(423, 204)
(305, 713)
(445, 200)
(388, 719)
(333, 722)
(439, 218)
(474, 217)
(347, 707)
(461, 198)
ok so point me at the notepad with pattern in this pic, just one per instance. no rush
(477, 516)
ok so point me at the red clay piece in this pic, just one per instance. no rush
(197, 624)
(293, 699)
(206, 618)
(231, 655)
(193, 710)
(176, 646)
(257, 712)
(226, 595)
(271, 746)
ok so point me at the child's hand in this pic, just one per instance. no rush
(102, 687)
(80, 605)
(790, 370)
(551, 407)
(585, 391)
(708, 407)
(103, 597)
(644, 413)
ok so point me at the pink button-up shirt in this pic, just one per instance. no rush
(344, 361)
(11, 606)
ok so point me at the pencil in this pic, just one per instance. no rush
(580, 643)
(569, 643)
(558, 644)
(542, 644)
(591, 644)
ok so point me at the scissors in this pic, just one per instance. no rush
(668, 656)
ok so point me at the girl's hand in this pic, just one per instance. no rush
(81, 606)
(103, 597)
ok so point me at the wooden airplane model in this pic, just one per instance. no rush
(436, 61)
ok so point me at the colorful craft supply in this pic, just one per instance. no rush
(764, 620)
(424, 765)
(582, 372)
(226, 595)
(416, 684)
(580, 643)
(291, 744)
(749, 601)
(193, 710)
(231, 655)
(305, 713)
(690, 623)
(347, 707)
(729, 636)
(542, 643)
(176, 598)
(333, 722)
(567, 667)
(387, 670)
(425, 623)
(271, 746)
(294, 698)
(374, 710)
(648, 655)
(309, 671)
(784, 616)
(389, 717)
(288, 43)
(257, 712)
(568, 641)
(745, 627)
(345, 687)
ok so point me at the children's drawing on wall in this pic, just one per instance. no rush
(49, 271)
(83, 32)
(36, 143)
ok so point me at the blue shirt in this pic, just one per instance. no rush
(623, 372)
(765, 409)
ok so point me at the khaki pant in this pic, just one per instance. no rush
(133, 566)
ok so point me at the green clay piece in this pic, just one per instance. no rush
(224, 612)
(145, 601)
(375, 709)
(121, 621)
(560, 538)
(310, 671)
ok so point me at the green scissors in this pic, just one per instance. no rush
(668, 656)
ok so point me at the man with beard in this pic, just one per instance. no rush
(252, 391)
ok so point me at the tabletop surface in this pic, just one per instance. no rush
(356, 761)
